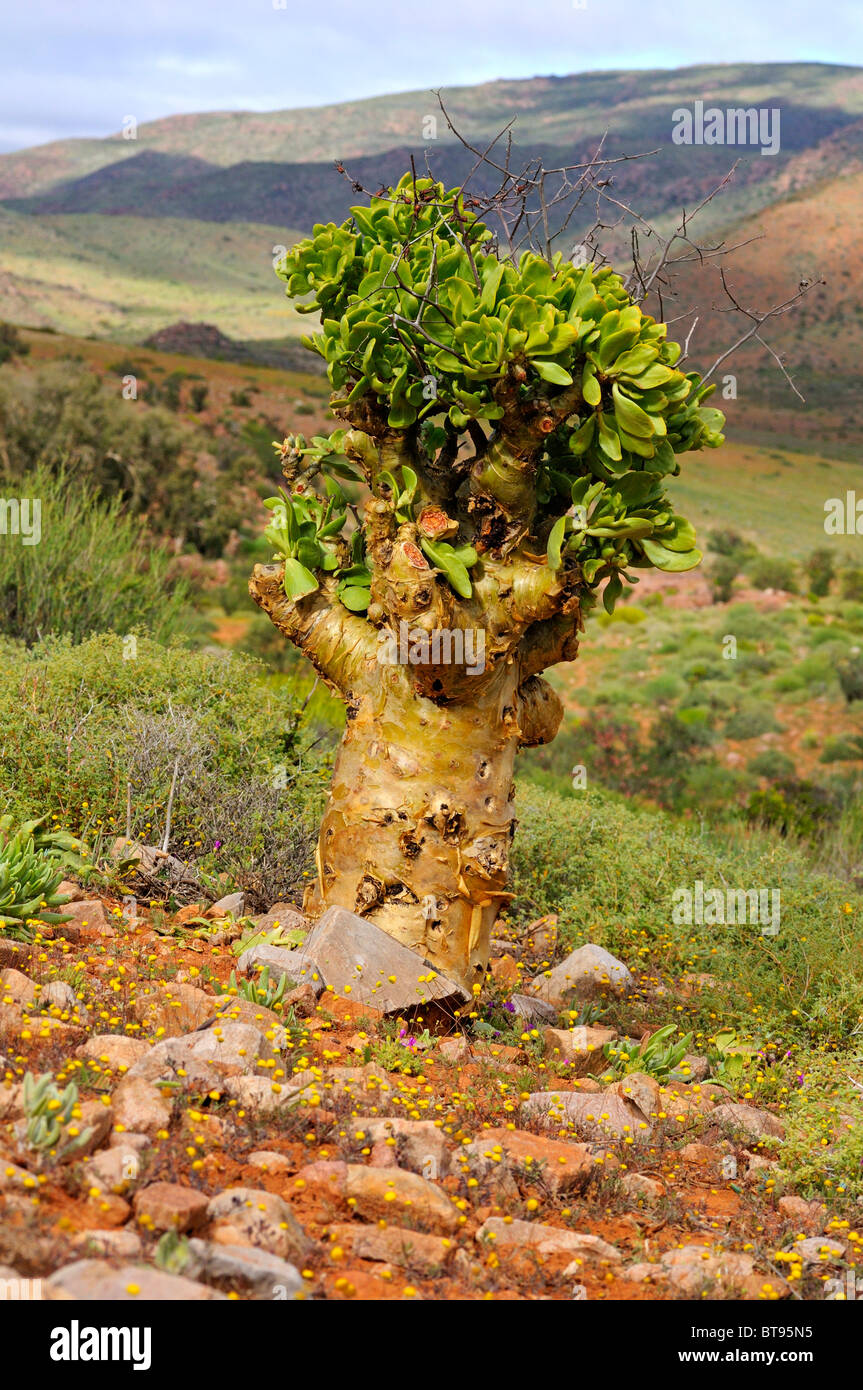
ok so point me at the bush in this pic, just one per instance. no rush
(850, 674)
(820, 569)
(94, 570)
(772, 764)
(70, 420)
(609, 871)
(772, 572)
(851, 583)
(78, 723)
(11, 343)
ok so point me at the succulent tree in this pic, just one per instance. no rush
(511, 421)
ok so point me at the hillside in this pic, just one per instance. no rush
(180, 223)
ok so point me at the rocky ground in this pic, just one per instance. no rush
(360, 1139)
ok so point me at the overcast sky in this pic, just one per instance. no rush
(78, 67)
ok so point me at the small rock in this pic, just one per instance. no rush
(817, 1250)
(532, 1011)
(113, 1170)
(121, 1244)
(68, 888)
(113, 1050)
(748, 1121)
(547, 1240)
(694, 1068)
(139, 1106)
(591, 1116)
(809, 1216)
(393, 1193)
(265, 1274)
(396, 1246)
(17, 988)
(251, 1216)
(99, 1281)
(563, 1167)
(283, 915)
(644, 1274)
(355, 956)
(639, 1185)
(168, 1206)
(420, 1146)
(454, 1049)
(586, 974)
(230, 906)
(696, 1270)
(505, 970)
(89, 916)
(581, 1047)
(174, 1008)
(269, 1161)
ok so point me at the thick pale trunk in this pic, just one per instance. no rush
(417, 831)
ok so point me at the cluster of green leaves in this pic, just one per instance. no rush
(303, 531)
(613, 526)
(261, 991)
(29, 875)
(415, 312)
(49, 1112)
(658, 1057)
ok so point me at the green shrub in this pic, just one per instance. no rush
(751, 721)
(79, 723)
(851, 583)
(772, 764)
(820, 570)
(772, 572)
(609, 870)
(95, 569)
(11, 343)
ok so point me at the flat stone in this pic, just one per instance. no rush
(113, 1050)
(100, 1281)
(817, 1250)
(547, 1240)
(639, 1185)
(89, 917)
(420, 1146)
(113, 1170)
(266, 1275)
(581, 1047)
(748, 1121)
(172, 1061)
(168, 1206)
(586, 974)
(454, 1049)
(532, 1012)
(393, 1193)
(696, 1270)
(16, 988)
(283, 915)
(355, 956)
(810, 1216)
(269, 1161)
(230, 906)
(172, 1010)
(120, 1244)
(592, 1116)
(563, 1167)
(251, 1216)
(395, 1245)
(295, 964)
(139, 1106)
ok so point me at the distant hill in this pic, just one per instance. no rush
(122, 238)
